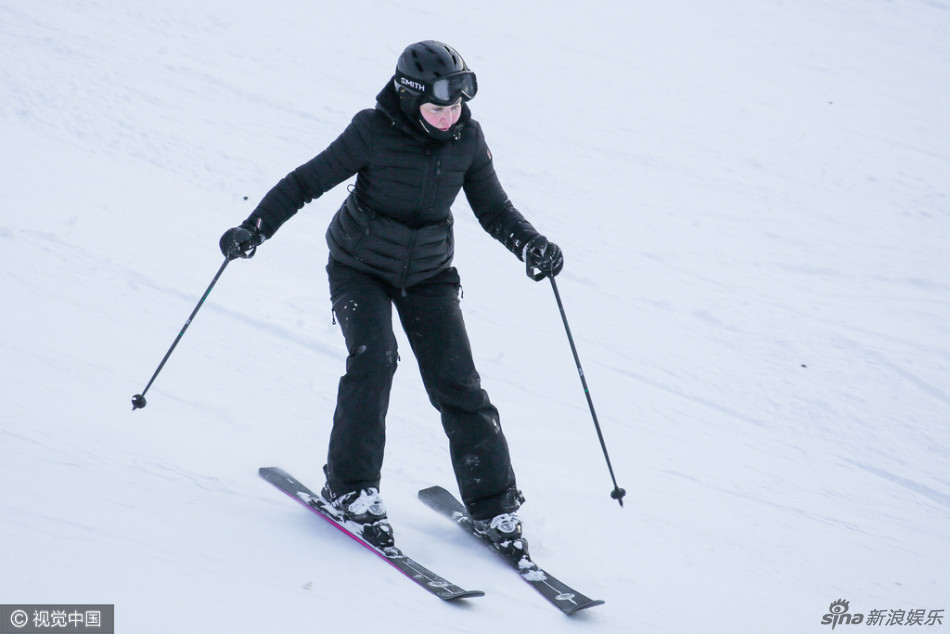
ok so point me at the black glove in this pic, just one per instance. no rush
(242, 241)
(542, 258)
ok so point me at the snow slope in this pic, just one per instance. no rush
(753, 201)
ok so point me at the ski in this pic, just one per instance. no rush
(558, 593)
(393, 556)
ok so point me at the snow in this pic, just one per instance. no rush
(534, 575)
(752, 198)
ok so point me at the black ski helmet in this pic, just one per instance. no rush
(432, 72)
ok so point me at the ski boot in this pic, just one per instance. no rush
(504, 534)
(366, 510)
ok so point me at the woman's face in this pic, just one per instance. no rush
(441, 117)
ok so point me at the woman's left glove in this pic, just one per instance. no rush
(542, 258)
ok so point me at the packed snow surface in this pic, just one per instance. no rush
(753, 199)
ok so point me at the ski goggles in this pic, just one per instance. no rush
(445, 90)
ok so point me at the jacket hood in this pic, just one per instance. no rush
(387, 102)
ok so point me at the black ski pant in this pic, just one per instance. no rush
(432, 319)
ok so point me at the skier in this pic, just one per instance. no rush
(391, 243)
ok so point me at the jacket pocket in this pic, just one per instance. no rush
(350, 227)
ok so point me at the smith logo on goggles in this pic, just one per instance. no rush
(443, 90)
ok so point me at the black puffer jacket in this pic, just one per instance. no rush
(397, 222)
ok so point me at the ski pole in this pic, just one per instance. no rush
(617, 493)
(138, 401)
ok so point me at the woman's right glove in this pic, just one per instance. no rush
(542, 258)
(241, 241)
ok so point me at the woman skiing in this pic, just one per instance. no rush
(391, 244)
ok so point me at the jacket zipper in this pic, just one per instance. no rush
(405, 265)
(430, 187)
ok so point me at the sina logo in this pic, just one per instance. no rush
(838, 615)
